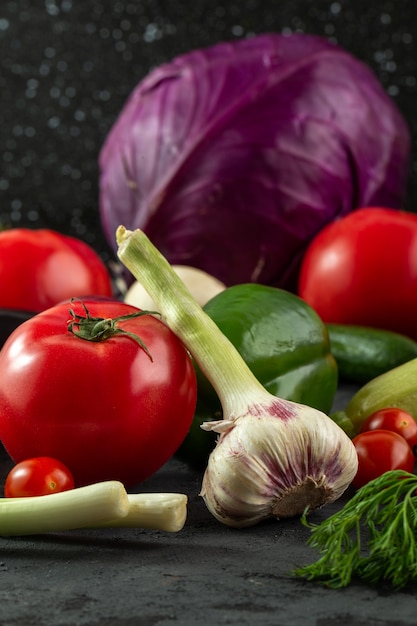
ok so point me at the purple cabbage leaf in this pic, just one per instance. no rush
(232, 158)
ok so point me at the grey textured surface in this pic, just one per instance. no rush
(207, 574)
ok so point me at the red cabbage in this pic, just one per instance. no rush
(233, 157)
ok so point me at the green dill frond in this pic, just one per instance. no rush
(372, 538)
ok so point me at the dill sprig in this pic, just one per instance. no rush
(373, 537)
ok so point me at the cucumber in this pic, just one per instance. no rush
(363, 353)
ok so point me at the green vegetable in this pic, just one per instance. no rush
(284, 343)
(373, 537)
(342, 420)
(281, 339)
(274, 457)
(362, 353)
(395, 388)
(97, 505)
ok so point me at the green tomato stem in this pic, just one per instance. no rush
(98, 329)
(215, 354)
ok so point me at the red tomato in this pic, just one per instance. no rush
(397, 420)
(104, 408)
(362, 269)
(38, 477)
(378, 452)
(39, 268)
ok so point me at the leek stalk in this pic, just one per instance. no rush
(273, 458)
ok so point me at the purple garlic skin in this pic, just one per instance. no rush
(274, 461)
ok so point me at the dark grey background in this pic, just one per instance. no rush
(67, 67)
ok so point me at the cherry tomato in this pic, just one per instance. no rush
(108, 409)
(362, 269)
(397, 420)
(378, 452)
(39, 268)
(38, 477)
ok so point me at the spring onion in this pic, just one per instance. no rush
(104, 504)
(273, 458)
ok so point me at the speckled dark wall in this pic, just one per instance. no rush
(67, 66)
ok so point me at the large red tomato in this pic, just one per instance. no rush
(39, 268)
(362, 269)
(111, 408)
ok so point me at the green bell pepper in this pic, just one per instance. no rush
(284, 343)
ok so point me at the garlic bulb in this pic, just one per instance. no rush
(274, 458)
(275, 461)
(201, 285)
